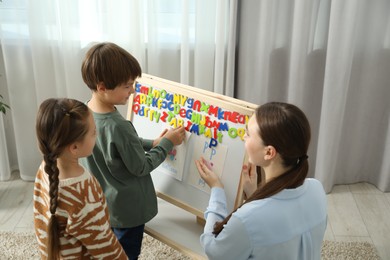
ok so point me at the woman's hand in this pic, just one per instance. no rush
(249, 179)
(210, 177)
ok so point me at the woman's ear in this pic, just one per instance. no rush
(270, 152)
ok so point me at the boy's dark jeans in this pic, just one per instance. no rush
(131, 240)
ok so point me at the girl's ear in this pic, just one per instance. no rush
(73, 149)
(270, 152)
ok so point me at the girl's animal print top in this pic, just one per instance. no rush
(83, 218)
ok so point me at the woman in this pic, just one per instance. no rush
(284, 217)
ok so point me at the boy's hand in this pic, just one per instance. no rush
(157, 140)
(176, 135)
(210, 177)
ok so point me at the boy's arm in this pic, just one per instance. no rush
(147, 144)
(127, 154)
(157, 154)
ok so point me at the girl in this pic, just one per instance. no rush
(70, 213)
(285, 216)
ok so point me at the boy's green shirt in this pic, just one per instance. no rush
(122, 163)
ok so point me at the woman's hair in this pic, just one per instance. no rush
(59, 123)
(108, 63)
(286, 128)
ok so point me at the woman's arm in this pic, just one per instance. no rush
(233, 242)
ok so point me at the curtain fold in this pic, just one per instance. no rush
(331, 58)
(43, 42)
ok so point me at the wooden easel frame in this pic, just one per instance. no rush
(225, 102)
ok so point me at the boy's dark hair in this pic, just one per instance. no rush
(108, 63)
(59, 122)
(285, 127)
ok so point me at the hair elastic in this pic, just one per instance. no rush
(302, 158)
(66, 113)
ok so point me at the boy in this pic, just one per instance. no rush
(119, 160)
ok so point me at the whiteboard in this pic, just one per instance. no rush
(217, 136)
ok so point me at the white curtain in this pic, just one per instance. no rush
(332, 59)
(42, 43)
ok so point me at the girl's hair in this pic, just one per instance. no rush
(286, 128)
(60, 122)
(108, 63)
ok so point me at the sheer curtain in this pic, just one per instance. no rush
(43, 41)
(332, 59)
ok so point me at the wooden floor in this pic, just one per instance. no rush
(357, 212)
